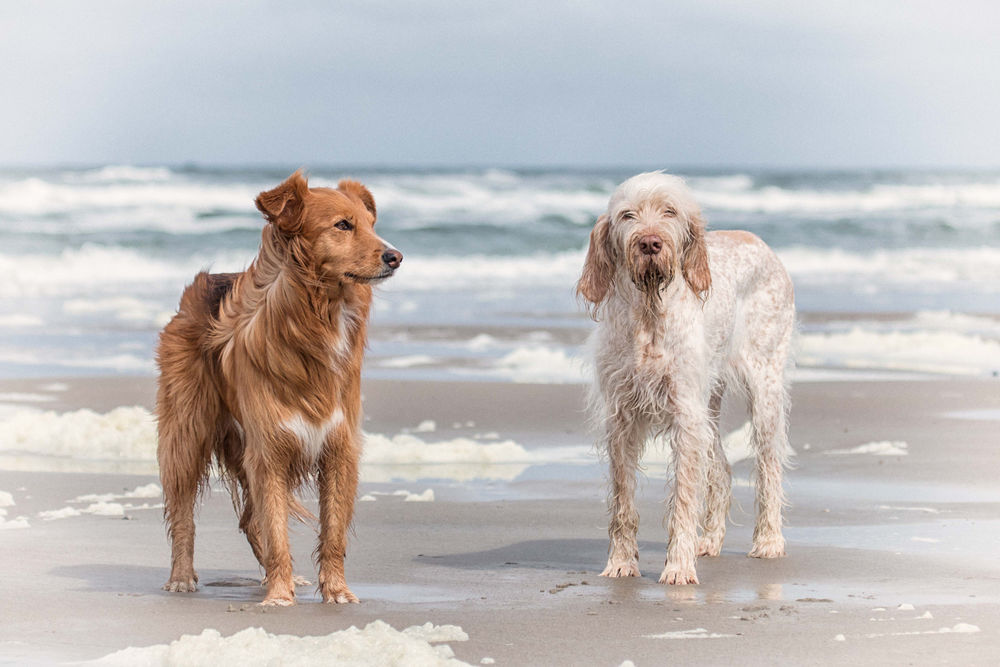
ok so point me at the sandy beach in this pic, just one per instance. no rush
(892, 540)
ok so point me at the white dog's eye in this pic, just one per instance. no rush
(670, 211)
(628, 215)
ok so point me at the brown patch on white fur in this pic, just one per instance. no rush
(739, 236)
(261, 371)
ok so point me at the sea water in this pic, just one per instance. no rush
(893, 270)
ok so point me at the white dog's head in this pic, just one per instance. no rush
(653, 230)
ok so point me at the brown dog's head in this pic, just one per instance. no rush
(332, 231)
(653, 230)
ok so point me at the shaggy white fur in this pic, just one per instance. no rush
(684, 315)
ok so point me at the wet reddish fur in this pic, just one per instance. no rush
(283, 338)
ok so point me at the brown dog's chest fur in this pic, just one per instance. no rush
(273, 362)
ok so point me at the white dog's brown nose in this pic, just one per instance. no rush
(650, 244)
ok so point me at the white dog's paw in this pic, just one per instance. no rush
(621, 568)
(710, 545)
(772, 547)
(678, 575)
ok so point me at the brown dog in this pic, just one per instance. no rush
(261, 371)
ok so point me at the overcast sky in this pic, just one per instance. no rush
(438, 82)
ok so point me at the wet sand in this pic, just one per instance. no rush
(515, 563)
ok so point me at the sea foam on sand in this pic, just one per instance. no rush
(7, 500)
(124, 440)
(378, 644)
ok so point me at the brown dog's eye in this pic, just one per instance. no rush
(344, 225)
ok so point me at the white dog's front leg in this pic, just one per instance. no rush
(624, 441)
(688, 440)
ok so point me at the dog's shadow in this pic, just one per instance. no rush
(569, 554)
(135, 580)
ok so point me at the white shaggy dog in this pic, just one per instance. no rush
(683, 315)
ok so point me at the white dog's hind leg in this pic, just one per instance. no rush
(689, 439)
(768, 407)
(624, 443)
(718, 490)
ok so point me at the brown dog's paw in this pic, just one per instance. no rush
(189, 585)
(339, 595)
(277, 601)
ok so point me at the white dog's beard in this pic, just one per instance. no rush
(649, 277)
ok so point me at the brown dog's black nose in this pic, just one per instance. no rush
(392, 257)
(650, 244)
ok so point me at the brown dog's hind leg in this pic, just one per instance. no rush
(187, 412)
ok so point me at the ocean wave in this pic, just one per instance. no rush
(156, 198)
(97, 271)
(940, 352)
(979, 266)
(81, 271)
(877, 198)
(123, 173)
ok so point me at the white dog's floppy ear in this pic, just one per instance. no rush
(694, 263)
(598, 269)
(283, 205)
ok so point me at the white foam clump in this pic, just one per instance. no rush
(896, 508)
(377, 644)
(151, 490)
(407, 457)
(696, 633)
(12, 524)
(538, 363)
(426, 426)
(944, 352)
(958, 628)
(426, 497)
(125, 433)
(881, 448)
(7, 500)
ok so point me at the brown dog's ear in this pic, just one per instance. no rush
(284, 204)
(694, 262)
(360, 192)
(598, 269)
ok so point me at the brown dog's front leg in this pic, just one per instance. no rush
(338, 486)
(269, 495)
